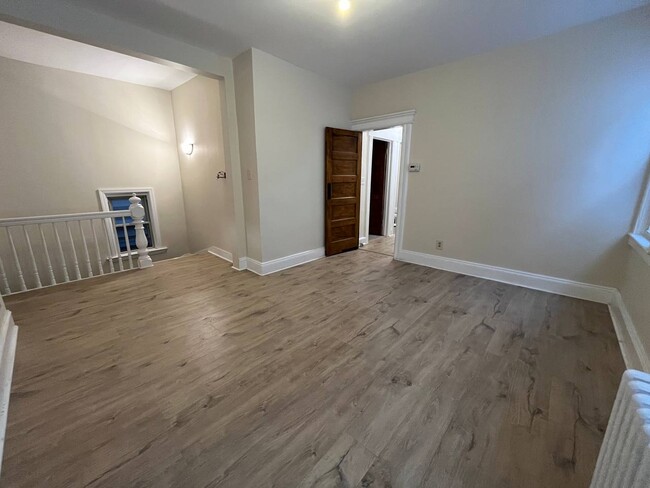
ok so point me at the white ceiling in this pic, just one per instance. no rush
(377, 39)
(43, 49)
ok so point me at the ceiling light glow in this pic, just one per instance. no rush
(344, 5)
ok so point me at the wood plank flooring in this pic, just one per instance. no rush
(382, 245)
(351, 371)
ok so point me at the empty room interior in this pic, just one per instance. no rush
(335, 243)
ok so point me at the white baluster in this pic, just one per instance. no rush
(128, 244)
(37, 278)
(19, 269)
(47, 256)
(138, 213)
(61, 256)
(5, 283)
(85, 248)
(99, 256)
(108, 244)
(74, 252)
(118, 251)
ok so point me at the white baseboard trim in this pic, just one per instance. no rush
(220, 253)
(560, 286)
(634, 354)
(363, 241)
(241, 265)
(254, 266)
(275, 265)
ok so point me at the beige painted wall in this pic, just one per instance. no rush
(532, 156)
(292, 108)
(635, 289)
(92, 27)
(64, 135)
(243, 76)
(208, 201)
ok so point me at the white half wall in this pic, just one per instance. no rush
(532, 156)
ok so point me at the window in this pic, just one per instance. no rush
(125, 225)
(118, 199)
(640, 235)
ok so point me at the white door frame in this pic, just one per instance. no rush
(405, 119)
(392, 184)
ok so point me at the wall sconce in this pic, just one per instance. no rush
(188, 148)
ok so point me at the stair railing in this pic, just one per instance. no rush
(53, 249)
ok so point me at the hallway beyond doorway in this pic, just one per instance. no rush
(380, 244)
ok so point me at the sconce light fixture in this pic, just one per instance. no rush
(188, 148)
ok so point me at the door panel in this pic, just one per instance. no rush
(378, 187)
(342, 190)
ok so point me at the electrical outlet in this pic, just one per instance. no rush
(439, 245)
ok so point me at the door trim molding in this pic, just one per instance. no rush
(386, 121)
(406, 120)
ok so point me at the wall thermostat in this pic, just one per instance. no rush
(414, 168)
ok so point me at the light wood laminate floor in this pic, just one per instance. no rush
(352, 371)
(381, 245)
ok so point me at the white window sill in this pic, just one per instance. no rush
(152, 251)
(641, 245)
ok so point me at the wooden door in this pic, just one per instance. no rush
(342, 190)
(378, 187)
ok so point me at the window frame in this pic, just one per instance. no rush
(639, 238)
(105, 193)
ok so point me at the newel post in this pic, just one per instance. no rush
(137, 214)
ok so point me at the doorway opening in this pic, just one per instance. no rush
(380, 174)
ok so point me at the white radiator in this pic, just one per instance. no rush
(624, 459)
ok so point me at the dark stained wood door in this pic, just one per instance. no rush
(378, 187)
(342, 190)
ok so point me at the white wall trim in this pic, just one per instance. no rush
(560, 286)
(634, 354)
(641, 245)
(384, 121)
(220, 253)
(405, 119)
(242, 264)
(403, 189)
(642, 221)
(254, 266)
(275, 265)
